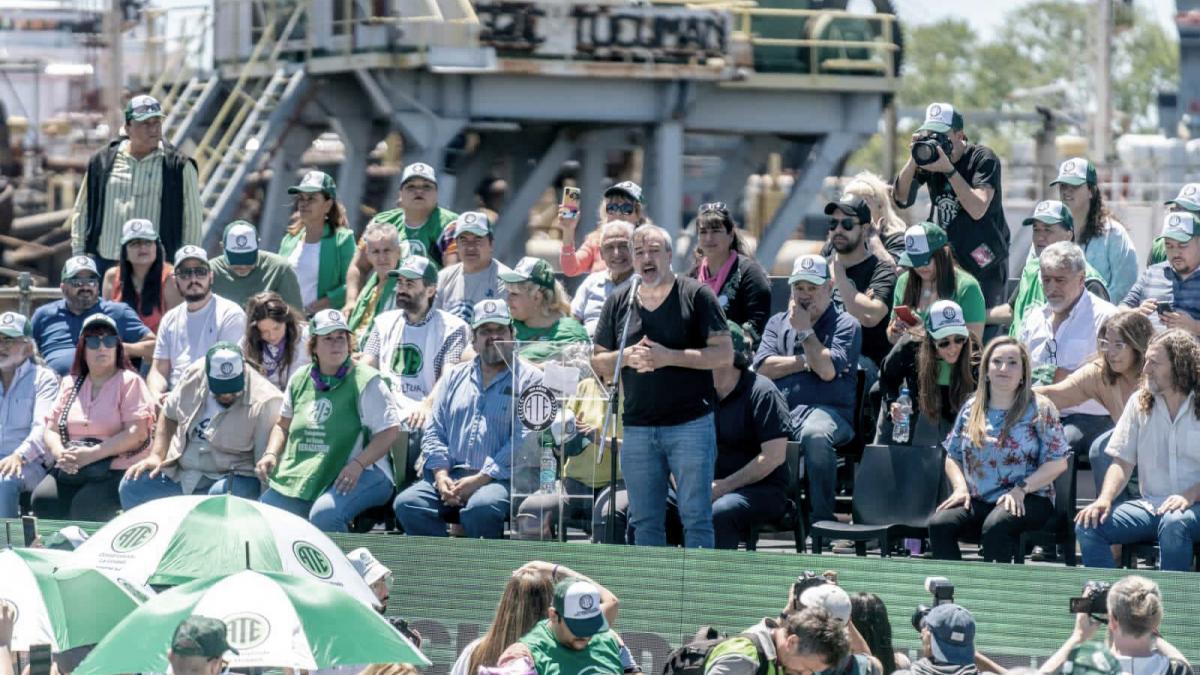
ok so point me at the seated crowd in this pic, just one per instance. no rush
(165, 372)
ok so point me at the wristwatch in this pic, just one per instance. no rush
(1023, 485)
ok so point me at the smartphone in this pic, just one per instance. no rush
(905, 314)
(29, 525)
(570, 201)
(39, 660)
(1163, 306)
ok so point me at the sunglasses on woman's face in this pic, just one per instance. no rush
(625, 209)
(97, 341)
(956, 341)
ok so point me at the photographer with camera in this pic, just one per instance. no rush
(1133, 610)
(822, 591)
(965, 195)
(947, 639)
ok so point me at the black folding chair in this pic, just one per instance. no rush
(793, 517)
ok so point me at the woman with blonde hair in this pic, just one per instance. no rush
(540, 309)
(1002, 457)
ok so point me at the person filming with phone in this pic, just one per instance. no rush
(964, 193)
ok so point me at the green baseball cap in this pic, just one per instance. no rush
(1188, 197)
(491, 311)
(532, 269)
(225, 368)
(316, 181)
(921, 241)
(1051, 212)
(416, 267)
(142, 108)
(15, 325)
(1091, 658)
(328, 321)
(1076, 171)
(941, 118)
(138, 229)
(577, 603)
(201, 636)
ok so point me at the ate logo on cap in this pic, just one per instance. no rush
(226, 368)
(1189, 190)
(910, 241)
(8, 319)
(935, 110)
(1177, 220)
(241, 240)
(806, 264)
(1045, 207)
(949, 314)
(470, 218)
(312, 178)
(586, 602)
(1068, 166)
(489, 307)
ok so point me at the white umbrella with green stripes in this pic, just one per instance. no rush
(273, 620)
(179, 539)
(61, 608)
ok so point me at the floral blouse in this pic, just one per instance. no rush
(996, 468)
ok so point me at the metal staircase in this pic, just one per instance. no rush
(189, 107)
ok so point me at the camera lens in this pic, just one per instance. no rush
(924, 152)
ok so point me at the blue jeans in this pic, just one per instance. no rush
(332, 511)
(421, 512)
(821, 431)
(1131, 523)
(144, 488)
(649, 456)
(11, 488)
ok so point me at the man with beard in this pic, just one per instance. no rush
(188, 330)
(864, 284)
(1173, 283)
(56, 325)
(414, 344)
(811, 353)
(615, 236)
(677, 337)
(27, 392)
(467, 448)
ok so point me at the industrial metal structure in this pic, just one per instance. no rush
(534, 83)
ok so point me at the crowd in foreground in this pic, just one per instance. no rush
(289, 377)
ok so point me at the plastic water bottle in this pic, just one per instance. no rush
(901, 429)
(549, 470)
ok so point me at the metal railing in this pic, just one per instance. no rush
(25, 293)
(175, 75)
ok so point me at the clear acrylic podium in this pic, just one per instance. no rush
(556, 429)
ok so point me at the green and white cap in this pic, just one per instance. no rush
(920, 243)
(416, 267)
(418, 170)
(811, 268)
(1091, 658)
(15, 325)
(77, 264)
(1076, 171)
(1180, 226)
(941, 118)
(138, 229)
(316, 181)
(101, 318)
(367, 566)
(328, 321)
(945, 319)
(475, 222)
(225, 368)
(1051, 212)
(241, 243)
(1188, 197)
(142, 108)
(532, 269)
(577, 603)
(628, 188)
(190, 252)
(491, 311)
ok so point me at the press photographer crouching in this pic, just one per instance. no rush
(822, 591)
(1133, 610)
(947, 636)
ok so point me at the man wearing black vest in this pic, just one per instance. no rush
(138, 175)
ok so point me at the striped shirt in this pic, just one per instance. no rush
(472, 426)
(1160, 282)
(135, 191)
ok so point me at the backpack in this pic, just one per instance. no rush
(691, 657)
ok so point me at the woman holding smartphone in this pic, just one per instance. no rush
(622, 201)
(932, 275)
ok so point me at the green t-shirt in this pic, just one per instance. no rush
(602, 656)
(566, 329)
(421, 240)
(966, 293)
(272, 273)
(1030, 295)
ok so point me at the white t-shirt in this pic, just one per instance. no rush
(464, 659)
(306, 260)
(184, 337)
(458, 291)
(413, 357)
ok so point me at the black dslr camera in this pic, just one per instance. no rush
(1093, 600)
(924, 150)
(809, 579)
(943, 594)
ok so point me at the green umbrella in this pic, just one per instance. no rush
(273, 620)
(59, 607)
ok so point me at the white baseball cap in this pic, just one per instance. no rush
(418, 170)
(811, 268)
(831, 597)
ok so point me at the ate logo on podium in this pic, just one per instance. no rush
(537, 408)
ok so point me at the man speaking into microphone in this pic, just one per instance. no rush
(674, 336)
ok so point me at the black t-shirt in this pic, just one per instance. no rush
(880, 278)
(752, 414)
(685, 320)
(980, 246)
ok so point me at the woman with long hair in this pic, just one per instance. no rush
(140, 278)
(1104, 240)
(940, 371)
(869, 616)
(275, 338)
(527, 596)
(319, 243)
(622, 201)
(886, 234)
(738, 281)
(1110, 379)
(98, 428)
(933, 275)
(1002, 457)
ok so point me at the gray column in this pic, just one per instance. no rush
(666, 198)
(513, 227)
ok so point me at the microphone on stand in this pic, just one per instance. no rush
(634, 282)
